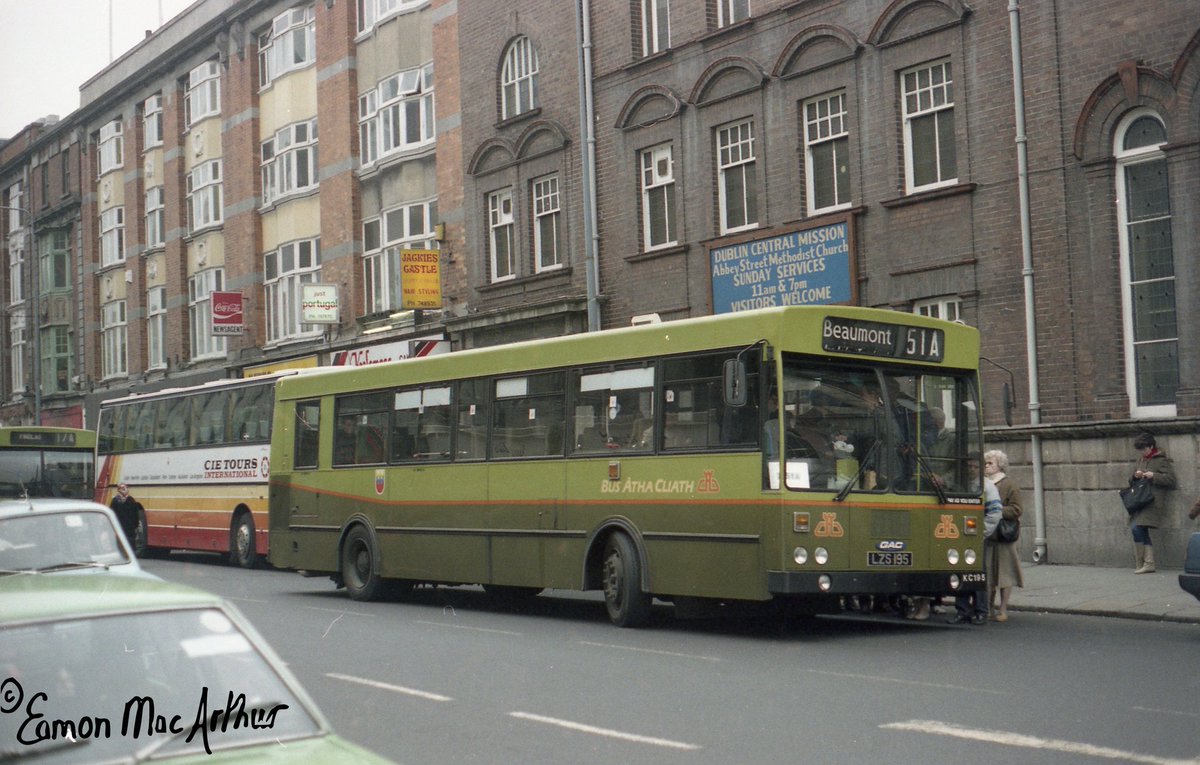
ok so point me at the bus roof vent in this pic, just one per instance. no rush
(645, 318)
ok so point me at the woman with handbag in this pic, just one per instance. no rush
(1156, 467)
(1000, 552)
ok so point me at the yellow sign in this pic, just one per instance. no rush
(304, 362)
(420, 279)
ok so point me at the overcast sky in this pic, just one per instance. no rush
(48, 48)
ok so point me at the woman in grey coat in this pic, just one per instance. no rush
(1156, 466)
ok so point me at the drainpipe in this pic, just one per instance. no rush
(1035, 406)
(587, 124)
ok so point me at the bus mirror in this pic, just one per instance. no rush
(735, 382)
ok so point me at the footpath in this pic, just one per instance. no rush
(1099, 591)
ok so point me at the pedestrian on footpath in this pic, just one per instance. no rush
(1001, 560)
(972, 607)
(1156, 466)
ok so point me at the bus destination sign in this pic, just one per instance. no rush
(41, 438)
(870, 338)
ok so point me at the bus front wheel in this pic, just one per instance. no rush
(358, 566)
(242, 551)
(627, 605)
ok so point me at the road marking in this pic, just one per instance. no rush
(633, 737)
(651, 650)
(878, 679)
(389, 687)
(341, 611)
(1165, 711)
(1031, 742)
(473, 629)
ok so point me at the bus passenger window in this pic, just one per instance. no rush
(304, 450)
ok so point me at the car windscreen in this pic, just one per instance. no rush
(53, 541)
(161, 683)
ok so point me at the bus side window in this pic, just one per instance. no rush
(307, 424)
(471, 427)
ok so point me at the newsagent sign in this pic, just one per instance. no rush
(806, 267)
(228, 313)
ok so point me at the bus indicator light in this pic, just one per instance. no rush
(614, 471)
(800, 522)
(970, 525)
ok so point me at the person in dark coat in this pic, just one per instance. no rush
(126, 509)
(1156, 466)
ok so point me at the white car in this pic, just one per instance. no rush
(70, 536)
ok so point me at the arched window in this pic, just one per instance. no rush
(1147, 265)
(518, 79)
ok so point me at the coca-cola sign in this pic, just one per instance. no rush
(227, 313)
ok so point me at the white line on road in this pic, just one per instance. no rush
(651, 650)
(389, 687)
(1031, 742)
(878, 679)
(468, 627)
(633, 737)
(1165, 711)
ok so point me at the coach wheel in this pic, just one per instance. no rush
(358, 566)
(242, 552)
(627, 605)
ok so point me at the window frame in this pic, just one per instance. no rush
(656, 25)
(205, 196)
(111, 148)
(156, 327)
(1126, 159)
(114, 340)
(545, 205)
(112, 236)
(501, 229)
(737, 161)
(654, 183)
(277, 47)
(202, 94)
(944, 149)
(282, 287)
(155, 217)
(826, 130)
(287, 158)
(730, 12)
(396, 229)
(201, 285)
(519, 79)
(152, 121)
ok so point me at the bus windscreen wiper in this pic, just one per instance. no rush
(862, 468)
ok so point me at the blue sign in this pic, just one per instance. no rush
(809, 267)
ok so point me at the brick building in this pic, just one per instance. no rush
(264, 145)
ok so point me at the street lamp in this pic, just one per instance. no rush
(34, 288)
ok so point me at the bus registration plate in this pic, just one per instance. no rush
(889, 558)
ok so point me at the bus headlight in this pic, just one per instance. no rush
(800, 555)
(821, 555)
(952, 556)
(955, 582)
(825, 583)
(970, 557)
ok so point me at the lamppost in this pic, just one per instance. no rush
(34, 288)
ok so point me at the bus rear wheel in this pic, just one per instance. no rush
(627, 605)
(242, 551)
(358, 566)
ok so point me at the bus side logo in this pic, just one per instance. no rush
(379, 482)
(709, 484)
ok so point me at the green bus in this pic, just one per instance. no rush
(804, 454)
(43, 461)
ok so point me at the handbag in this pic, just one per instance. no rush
(1137, 496)
(1008, 531)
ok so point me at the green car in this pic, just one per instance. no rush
(104, 669)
